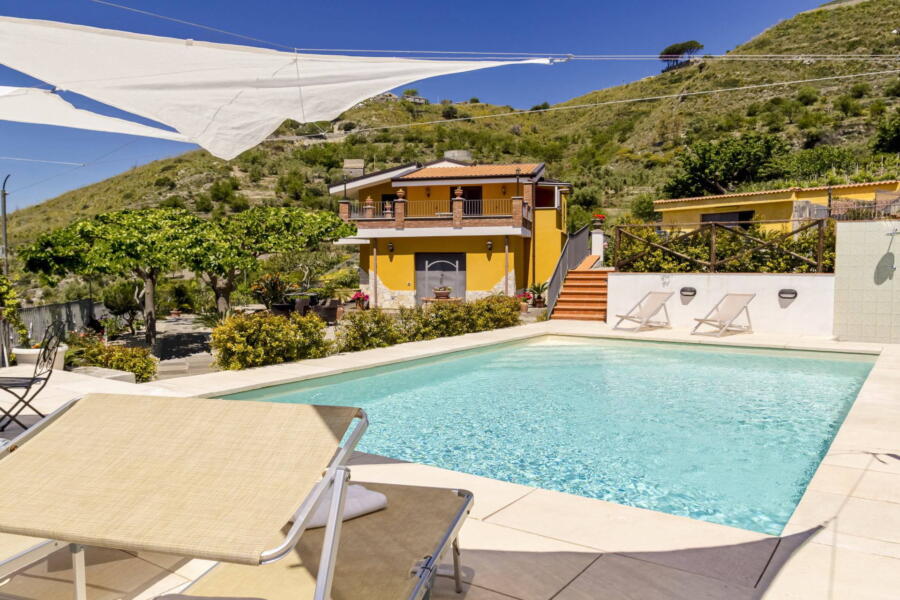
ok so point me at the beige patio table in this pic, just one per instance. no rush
(192, 477)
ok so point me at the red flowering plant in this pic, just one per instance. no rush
(360, 296)
(600, 217)
(524, 296)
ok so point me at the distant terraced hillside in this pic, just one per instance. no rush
(612, 152)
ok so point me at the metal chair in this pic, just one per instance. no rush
(26, 389)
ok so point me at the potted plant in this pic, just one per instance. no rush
(442, 292)
(361, 299)
(537, 290)
(273, 290)
(524, 299)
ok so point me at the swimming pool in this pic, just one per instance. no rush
(719, 434)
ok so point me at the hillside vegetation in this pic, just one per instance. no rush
(614, 153)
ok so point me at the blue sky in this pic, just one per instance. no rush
(563, 26)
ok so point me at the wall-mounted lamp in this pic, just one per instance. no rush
(688, 292)
(787, 294)
(428, 192)
(490, 245)
(390, 246)
(503, 190)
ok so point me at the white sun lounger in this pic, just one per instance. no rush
(723, 315)
(647, 308)
(191, 477)
(391, 554)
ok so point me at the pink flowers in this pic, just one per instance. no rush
(524, 296)
(359, 296)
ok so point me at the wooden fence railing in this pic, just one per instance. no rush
(713, 230)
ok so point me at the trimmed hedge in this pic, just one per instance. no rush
(122, 358)
(376, 329)
(244, 341)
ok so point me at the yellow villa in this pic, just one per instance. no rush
(778, 205)
(476, 229)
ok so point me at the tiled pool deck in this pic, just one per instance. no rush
(843, 540)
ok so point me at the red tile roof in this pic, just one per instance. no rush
(508, 170)
(843, 186)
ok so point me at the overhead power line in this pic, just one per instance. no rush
(603, 103)
(479, 55)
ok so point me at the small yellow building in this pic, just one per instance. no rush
(773, 205)
(477, 229)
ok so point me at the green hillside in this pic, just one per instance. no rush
(613, 153)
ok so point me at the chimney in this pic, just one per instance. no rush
(460, 155)
(354, 167)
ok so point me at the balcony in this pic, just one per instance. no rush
(455, 212)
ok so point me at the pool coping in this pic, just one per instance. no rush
(851, 507)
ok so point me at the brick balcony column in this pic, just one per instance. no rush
(457, 207)
(369, 208)
(517, 211)
(400, 209)
(344, 210)
(528, 194)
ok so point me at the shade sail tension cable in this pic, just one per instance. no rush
(42, 161)
(604, 103)
(556, 56)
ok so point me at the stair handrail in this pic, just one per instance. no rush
(575, 250)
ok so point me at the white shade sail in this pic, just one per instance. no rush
(226, 98)
(43, 107)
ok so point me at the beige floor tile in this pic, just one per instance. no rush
(726, 553)
(816, 508)
(491, 495)
(862, 459)
(111, 575)
(836, 480)
(445, 590)
(616, 577)
(818, 572)
(831, 537)
(520, 564)
(875, 485)
(870, 518)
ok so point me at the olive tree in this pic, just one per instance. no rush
(139, 243)
(224, 249)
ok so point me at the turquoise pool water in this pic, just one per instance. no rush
(728, 436)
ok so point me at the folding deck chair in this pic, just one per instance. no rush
(26, 389)
(722, 316)
(647, 308)
(184, 482)
(392, 554)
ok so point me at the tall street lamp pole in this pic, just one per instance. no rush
(3, 217)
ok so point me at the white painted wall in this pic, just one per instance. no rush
(867, 282)
(811, 313)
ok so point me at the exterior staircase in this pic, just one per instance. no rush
(583, 295)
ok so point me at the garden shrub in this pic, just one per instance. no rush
(445, 319)
(244, 341)
(123, 299)
(495, 312)
(413, 325)
(88, 351)
(366, 329)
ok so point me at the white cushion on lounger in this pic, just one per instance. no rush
(359, 502)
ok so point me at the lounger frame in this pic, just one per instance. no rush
(725, 326)
(334, 479)
(642, 323)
